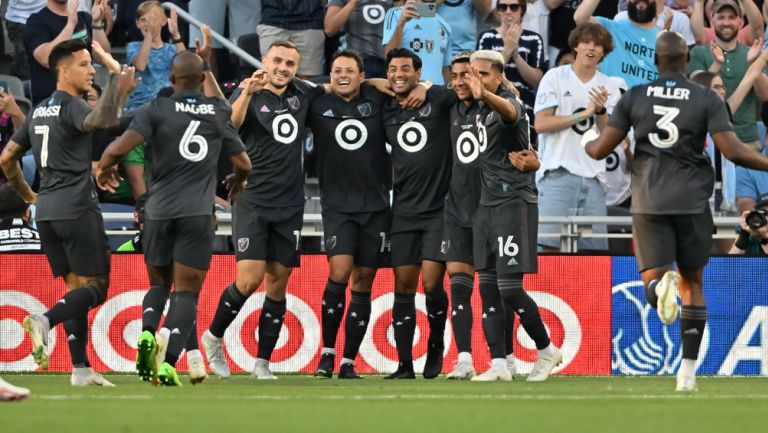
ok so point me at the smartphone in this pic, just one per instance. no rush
(3, 86)
(425, 10)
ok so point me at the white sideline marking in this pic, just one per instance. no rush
(395, 397)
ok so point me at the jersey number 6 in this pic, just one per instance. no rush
(188, 138)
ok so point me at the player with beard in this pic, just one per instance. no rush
(633, 39)
(504, 229)
(421, 157)
(671, 117)
(68, 215)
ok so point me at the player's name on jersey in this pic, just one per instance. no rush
(47, 111)
(668, 92)
(195, 108)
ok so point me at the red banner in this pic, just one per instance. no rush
(573, 294)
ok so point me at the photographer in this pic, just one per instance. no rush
(753, 230)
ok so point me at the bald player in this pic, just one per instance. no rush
(184, 135)
(671, 117)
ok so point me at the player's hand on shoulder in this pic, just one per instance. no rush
(234, 185)
(525, 160)
(416, 98)
(108, 178)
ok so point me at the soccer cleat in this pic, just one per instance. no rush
(544, 366)
(10, 392)
(215, 353)
(38, 328)
(434, 364)
(325, 366)
(161, 339)
(87, 377)
(686, 379)
(196, 364)
(347, 371)
(167, 376)
(261, 370)
(146, 351)
(462, 371)
(403, 372)
(493, 374)
(511, 365)
(666, 292)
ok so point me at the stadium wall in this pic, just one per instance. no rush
(593, 307)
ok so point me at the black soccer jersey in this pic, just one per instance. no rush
(501, 181)
(185, 133)
(54, 132)
(421, 152)
(273, 131)
(671, 173)
(353, 167)
(467, 141)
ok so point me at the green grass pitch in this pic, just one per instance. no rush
(305, 404)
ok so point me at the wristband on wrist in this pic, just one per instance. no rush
(601, 111)
(576, 118)
(177, 41)
(98, 26)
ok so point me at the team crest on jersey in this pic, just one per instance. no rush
(429, 45)
(293, 102)
(242, 244)
(365, 109)
(416, 45)
(330, 243)
(426, 110)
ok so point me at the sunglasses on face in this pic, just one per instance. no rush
(512, 7)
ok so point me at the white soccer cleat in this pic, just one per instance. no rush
(161, 337)
(196, 365)
(666, 292)
(493, 374)
(686, 378)
(38, 327)
(463, 371)
(214, 350)
(87, 377)
(10, 392)
(544, 366)
(511, 366)
(261, 370)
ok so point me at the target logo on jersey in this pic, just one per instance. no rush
(351, 134)
(412, 136)
(284, 128)
(374, 14)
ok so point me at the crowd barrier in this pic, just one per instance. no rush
(593, 307)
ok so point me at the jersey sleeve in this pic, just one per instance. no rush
(142, 120)
(74, 113)
(445, 96)
(717, 114)
(620, 119)
(231, 144)
(546, 95)
(519, 107)
(390, 23)
(21, 136)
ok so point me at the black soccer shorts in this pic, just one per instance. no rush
(505, 237)
(456, 243)
(364, 235)
(187, 241)
(267, 233)
(661, 240)
(79, 246)
(412, 246)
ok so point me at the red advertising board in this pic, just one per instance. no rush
(573, 293)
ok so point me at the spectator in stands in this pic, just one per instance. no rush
(680, 22)
(363, 24)
(523, 52)
(753, 241)
(561, 21)
(107, 7)
(731, 59)
(58, 22)
(429, 37)
(11, 118)
(15, 17)
(746, 34)
(564, 57)
(463, 17)
(572, 100)
(536, 19)
(618, 168)
(16, 232)
(634, 40)
(297, 21)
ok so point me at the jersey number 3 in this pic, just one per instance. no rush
(666, 124)
(190, 137)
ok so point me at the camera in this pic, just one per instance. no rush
(757, 218)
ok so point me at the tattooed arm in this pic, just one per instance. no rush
(9, 161)
(108, 108)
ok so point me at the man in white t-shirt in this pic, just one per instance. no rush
(573, 102)
(680, 22)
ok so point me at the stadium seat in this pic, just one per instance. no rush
(250, 44)
(16, 87)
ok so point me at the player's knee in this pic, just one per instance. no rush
(247, 284)
(340, 273)
(98, 292)
(276, 292)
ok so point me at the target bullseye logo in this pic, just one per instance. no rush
(118, 324)
(284, 128)
(468, 147)
(374, 14)
(351, 134)
(15, 352)
(412, 136)
(612, 161)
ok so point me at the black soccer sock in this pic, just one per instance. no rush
(509, 327)
(153, 305)
(437, 305)
(182, 314)
(404, 323)
(356, 323)
(192, 342)
(230, 303)
(270, 323)
(650, 293)
(334, 298)
(461, 310)
(77, 340)
(494, 317)
(693, 319)
(74, 303)
(515, 297)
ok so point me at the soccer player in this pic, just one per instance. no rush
(68, 215)
(184, 135)
(671, 117)
(504, 226)
(421, 157)
(270, 110)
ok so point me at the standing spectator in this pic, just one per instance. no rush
(680, 21)
(297, 21)
(16, 232)
(55, 23)
(562, 20)
(463, 15)
(429, 37)
(705, 10)
(15, 17)
(11, 119)
(572, 100)
(634, 40)
(523, 52)
(536, 19)
(363, 24)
